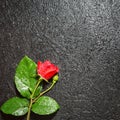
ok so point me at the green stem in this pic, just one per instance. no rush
(36, 87)
(31, 99)
(29, 110)
(44, 91)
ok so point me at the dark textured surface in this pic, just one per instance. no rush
(82, 37)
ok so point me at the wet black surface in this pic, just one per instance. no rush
(82, 37)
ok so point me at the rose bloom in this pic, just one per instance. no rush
(46, 69)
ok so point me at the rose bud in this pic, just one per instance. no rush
(46, 69)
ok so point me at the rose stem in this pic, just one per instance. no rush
(31, 97)
(44, 91)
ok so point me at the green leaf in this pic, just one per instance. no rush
(24, 80)
(15, 106)
(45, 105)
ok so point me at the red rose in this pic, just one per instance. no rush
(46, 70)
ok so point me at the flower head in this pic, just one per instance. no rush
(46, 69)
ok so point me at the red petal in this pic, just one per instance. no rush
(39, 63)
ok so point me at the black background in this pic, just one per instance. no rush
(82, 37)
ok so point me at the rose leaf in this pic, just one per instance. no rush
(45, 105)
(24, 80)
(15, 106)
